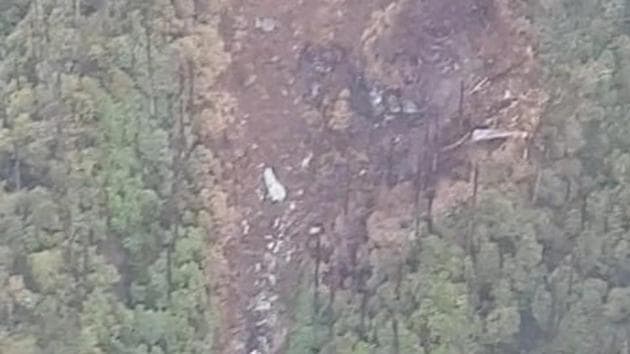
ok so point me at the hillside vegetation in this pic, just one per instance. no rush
(103, 235)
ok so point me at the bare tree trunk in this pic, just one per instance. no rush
(475, 184)
(362, 326)
(77, 12)
(430, 198)
(463, 125)
(396, 344)
(177, 144)
(331, 300)
(150, 65)
(17, 167)
(470, 245)
(348, 186)
(535, 187)
(316, 273)
(390, 178)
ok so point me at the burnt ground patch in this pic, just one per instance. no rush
(358, 106)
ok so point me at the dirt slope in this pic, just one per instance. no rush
(356, 105)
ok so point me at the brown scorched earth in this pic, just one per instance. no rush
(363, 109)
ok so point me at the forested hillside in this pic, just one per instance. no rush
(103, 235)
(118, 216)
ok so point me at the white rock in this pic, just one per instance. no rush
(275, 190)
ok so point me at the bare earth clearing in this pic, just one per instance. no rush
(362, 108)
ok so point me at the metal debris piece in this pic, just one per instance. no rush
(376, 101)
(393, 103)
(272, 279)
(245, 226)
(265, 24)
(493, 134)
(314, 230)
(307, 160)
(410, 107)
(250, 80)
(262, 305)
(275, 190)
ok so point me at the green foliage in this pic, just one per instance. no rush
(618, 307)
(46, 267)
(92, 261)
(18, 344)
(310, 333)
(445, 316)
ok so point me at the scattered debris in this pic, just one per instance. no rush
(263, 305)
(276, 223)
(393, 103)
(315, 93)
(307, 160)
(410, 107)
(376, 96)
(314, 230)
(320, 60)
(245, 226)
(340, 114)
(275, 190)
(250, 80)
(265, 24)
(376, 101)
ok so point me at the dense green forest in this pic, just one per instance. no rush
(102, 233)
(105, 227)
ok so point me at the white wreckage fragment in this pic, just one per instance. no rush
(493, 134)
(486, 134)
(275, 190)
